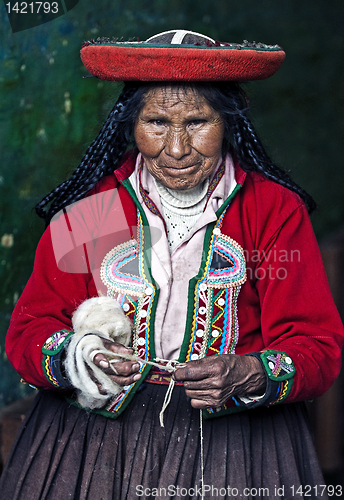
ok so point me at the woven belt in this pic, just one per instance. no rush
(156, 376)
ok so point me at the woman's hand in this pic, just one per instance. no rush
(122, 372)
(211, 381)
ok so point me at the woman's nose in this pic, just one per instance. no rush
(177, 144)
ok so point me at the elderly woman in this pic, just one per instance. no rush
(191, 255)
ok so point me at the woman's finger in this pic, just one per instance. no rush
(123, 368)
(206, 384)
(116, 347)
(125, 380)
(210, 398)
(193, 370)
(126, 375)
(203, 404)
(205, 368)
(122, 381)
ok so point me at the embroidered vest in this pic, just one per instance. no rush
(212, 325)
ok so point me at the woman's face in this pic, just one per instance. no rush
(179, 135)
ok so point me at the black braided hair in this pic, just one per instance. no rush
(102, 157)
(231, 102)
(252, 154)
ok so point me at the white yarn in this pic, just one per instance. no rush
(95, 319)
(105, 313)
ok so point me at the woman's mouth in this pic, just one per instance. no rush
(175, 171)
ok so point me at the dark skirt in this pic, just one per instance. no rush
(64, 452)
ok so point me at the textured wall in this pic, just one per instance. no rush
(49, 114)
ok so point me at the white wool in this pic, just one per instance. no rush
(103, 314)
(95, 319)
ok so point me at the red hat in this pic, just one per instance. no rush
(179, 55)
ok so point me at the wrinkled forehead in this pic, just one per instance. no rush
(170, 95)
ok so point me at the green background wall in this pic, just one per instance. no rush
(49, 114)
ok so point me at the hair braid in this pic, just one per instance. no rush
(100, 159)
(253, 157)
(231, 102)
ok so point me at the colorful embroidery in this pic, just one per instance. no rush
(216, 180)
(280, 371)
(215, 328)
(278, 365)
(148, 202)
(156, 376)
(48, 371)
(56, 342)
(51, 351)
(112, 275)
(123, 286)
(213, 305)
(201, 322)
(230, 332)
(235, 273)
(283, 391)
(146, 199)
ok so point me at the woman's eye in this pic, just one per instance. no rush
(195, 123)
(157, 122)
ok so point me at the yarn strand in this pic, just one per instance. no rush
(167, 401)
(170, 367)
(202, 451)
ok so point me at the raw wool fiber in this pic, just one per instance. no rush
(104, 314)
(95, 319)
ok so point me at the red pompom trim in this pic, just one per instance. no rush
(137, 63)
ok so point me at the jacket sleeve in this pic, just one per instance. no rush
(44, 310)
(66, 272)
(301, 329)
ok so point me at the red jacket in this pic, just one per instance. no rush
(285, 304)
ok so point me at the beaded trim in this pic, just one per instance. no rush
(233, 275)
(122, 287)
(215, 328)
(110, 270)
